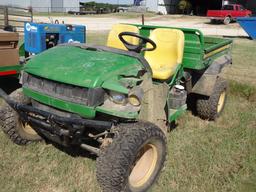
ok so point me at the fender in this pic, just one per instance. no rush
(206, 83)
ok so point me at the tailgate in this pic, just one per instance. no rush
(215, 45)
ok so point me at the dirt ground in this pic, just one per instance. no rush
(104, 22)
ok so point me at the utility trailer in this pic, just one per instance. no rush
(118, 101)
(12, 51)
(9, 53)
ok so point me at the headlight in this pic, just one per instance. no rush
(135, 96)
(118, 98)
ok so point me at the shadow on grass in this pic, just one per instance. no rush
(191, 103)
(73, 151)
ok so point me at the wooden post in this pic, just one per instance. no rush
(142, 19)
(6, 20)
(31, 13)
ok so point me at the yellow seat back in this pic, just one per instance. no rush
(113, 39)
(168, 54)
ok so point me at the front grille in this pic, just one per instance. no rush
(66, 92)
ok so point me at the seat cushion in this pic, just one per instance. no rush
(163, 73)
(113, 39)
(168, 54)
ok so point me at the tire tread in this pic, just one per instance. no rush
(114, 161)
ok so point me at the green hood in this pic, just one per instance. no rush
(81, 67)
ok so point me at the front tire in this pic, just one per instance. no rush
(134, 159)
(211, 107)
(18, 131)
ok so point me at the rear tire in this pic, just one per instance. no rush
(134, 159)
(211, 107)
(227, 20)
(19, 132)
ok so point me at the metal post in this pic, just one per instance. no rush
(142, 19)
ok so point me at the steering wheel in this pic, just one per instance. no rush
(142, 42)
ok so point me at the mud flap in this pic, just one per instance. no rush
(206, 83)
(154, 103)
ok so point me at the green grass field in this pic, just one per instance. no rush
(203, 156)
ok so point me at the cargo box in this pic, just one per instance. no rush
(9, 51)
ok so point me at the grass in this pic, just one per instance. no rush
(97, 37)
(243, 69)
(203, 156)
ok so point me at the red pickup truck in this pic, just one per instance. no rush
(228, 13)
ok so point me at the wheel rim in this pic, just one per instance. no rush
(144, 166)
(221, 101)
(227, 20)
(28, 129)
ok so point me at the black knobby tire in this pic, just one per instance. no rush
(12, 125)
(208, 107)
(118, 163)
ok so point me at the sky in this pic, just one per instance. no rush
(111, 1)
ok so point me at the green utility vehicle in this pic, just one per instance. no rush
(119, 101)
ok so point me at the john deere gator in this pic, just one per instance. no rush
(118, 101)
